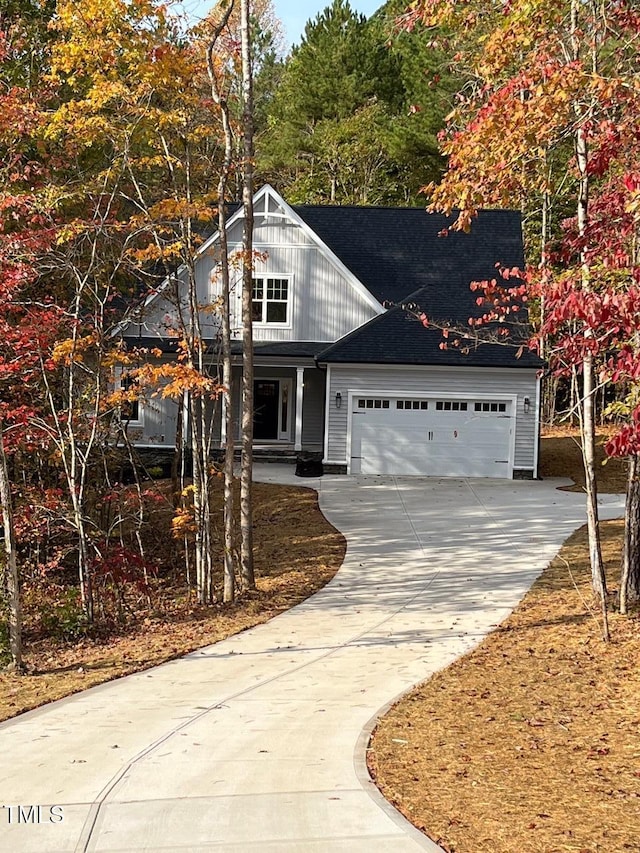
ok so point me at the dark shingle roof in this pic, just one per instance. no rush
(400, 255)
(398, 337)
(283, 349)
(397, 251)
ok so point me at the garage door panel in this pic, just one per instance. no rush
(386, 450)
(431, 442)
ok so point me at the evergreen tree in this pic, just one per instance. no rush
(355, 117)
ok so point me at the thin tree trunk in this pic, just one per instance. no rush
(630, 575)
(13, 583)
(229, 449)
(220, 98)
(588, 421)
(587, 424)
(589, 458)
(246, 474)
(176, 461)
(199, 427)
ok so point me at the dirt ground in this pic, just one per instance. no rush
(297, 551)
(531, 743)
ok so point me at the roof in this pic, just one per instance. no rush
(396, 251)
(402, 255)
(398, 337)
(282, 349)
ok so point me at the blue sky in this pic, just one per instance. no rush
(294, 14)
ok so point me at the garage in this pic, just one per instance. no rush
(431, 436)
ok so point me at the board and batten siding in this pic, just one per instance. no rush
(408, 380)
(159, 318)
(324, 305)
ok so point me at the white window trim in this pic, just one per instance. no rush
(263, 324)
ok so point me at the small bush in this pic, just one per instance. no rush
(64, 619)
(5, 653)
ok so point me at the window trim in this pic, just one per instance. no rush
(264, 323)
(490, 407)
(137, 422)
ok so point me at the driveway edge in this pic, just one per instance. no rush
(368, 785)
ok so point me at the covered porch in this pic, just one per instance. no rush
(289, 401)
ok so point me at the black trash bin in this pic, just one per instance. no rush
(308, 466)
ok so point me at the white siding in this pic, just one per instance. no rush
(313, 408)
(324, 304)
(409, 380)
(159, 422)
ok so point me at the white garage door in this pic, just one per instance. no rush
(431, 437)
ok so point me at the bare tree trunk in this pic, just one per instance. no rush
(587, 422)
(229, 590)
(630, 575)
(246, 475)
(13, 583)
(176, 462)
(220, 97)
(588, 435)
(587, 419)
(199, 425)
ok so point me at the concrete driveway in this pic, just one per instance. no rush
(258, 743)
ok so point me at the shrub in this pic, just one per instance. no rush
(64, 618)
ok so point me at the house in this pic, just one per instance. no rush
(341, 368)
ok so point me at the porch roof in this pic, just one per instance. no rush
(272, 349)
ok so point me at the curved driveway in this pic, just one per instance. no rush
(256, 743)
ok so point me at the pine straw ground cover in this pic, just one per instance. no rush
(531, 743)
(561, 457)
(297, 551)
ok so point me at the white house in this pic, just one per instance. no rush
(341, 368)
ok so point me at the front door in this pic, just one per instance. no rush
(266, 397)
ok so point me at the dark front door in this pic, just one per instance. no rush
(266, 394)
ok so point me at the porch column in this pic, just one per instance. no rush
(299, 395)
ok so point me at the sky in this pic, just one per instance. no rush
(294, 14)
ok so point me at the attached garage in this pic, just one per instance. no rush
(426, 388)
(441, 436)
(432, 421)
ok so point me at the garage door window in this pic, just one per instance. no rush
(490, 407)
(372, 403)
(412, 404)
(450, 406)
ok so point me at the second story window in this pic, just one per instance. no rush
(270, 300)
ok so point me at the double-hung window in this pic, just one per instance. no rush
(130, 410)
(271, 300)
